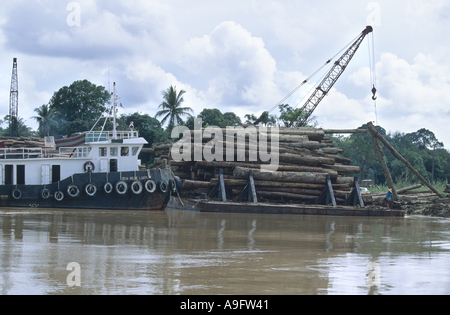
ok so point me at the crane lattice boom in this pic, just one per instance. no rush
(330, 79)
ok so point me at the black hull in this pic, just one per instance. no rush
(32, 196)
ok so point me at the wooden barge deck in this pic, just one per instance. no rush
(269, 208)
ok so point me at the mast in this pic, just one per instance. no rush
(114, 98)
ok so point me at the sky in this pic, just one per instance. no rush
(237, 56)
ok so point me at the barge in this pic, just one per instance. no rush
(274, 208)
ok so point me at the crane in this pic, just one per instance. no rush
(330, 79)
(327, 82)
(14, 102)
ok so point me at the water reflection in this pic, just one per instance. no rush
(181, 252)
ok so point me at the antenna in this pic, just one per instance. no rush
(114, 98)
(14, 102)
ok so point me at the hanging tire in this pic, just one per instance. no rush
(150, 186)
(59, 195)
(108, 188)
(16, 194)
(172, 185)
(163, 186)
(179, 184)
(45, 194)
(137, 187)
(73, 190)
(90, 190)
(121, 187)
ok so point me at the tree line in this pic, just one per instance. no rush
(420, 148)
(77, 107)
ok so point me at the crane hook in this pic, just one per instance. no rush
(374, 91)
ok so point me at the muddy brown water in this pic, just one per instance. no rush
(182, 252)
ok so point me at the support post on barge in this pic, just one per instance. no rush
(249, 190)
(355, 198)
(327, 195)
(219, 189)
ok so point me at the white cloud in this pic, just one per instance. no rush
(240, 56)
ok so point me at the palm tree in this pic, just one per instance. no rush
(171, 107)
(45, 119)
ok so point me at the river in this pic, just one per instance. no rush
(182, 252)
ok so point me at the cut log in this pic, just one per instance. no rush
(343, 169)
(195, 184)
(300, 191)
(181, 163)
(402, 159)
(382, 162)
(161, 146)
(403, 190)
(284, 195)
(306, 160)
(183, 175)
(343, 131)
(297, 177)
(148, 150)
(305, 144)
(333, 150)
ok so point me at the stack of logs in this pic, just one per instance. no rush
(22, 142)
(306, 157)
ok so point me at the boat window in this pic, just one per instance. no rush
(102, 151)
(135, 150)
(114, 151)
(124, 151)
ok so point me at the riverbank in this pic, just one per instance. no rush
(436, 207)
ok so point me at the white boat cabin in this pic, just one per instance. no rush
(106, 151)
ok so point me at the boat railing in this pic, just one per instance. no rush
(39, 153)
(96, 136)
(75, 152)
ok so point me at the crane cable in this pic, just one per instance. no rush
(312, 75)
(373, 75)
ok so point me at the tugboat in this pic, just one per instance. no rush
(94, 170)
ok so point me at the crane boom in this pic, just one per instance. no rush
(14, 102)
(330, 79)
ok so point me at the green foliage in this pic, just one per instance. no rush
(78, 106)
(424, 138)
(171, 109)
(416, 148)
(265, 119)
(22, 129)
(46, 119)
(214, 117)
(289, 114)
(149, 128)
